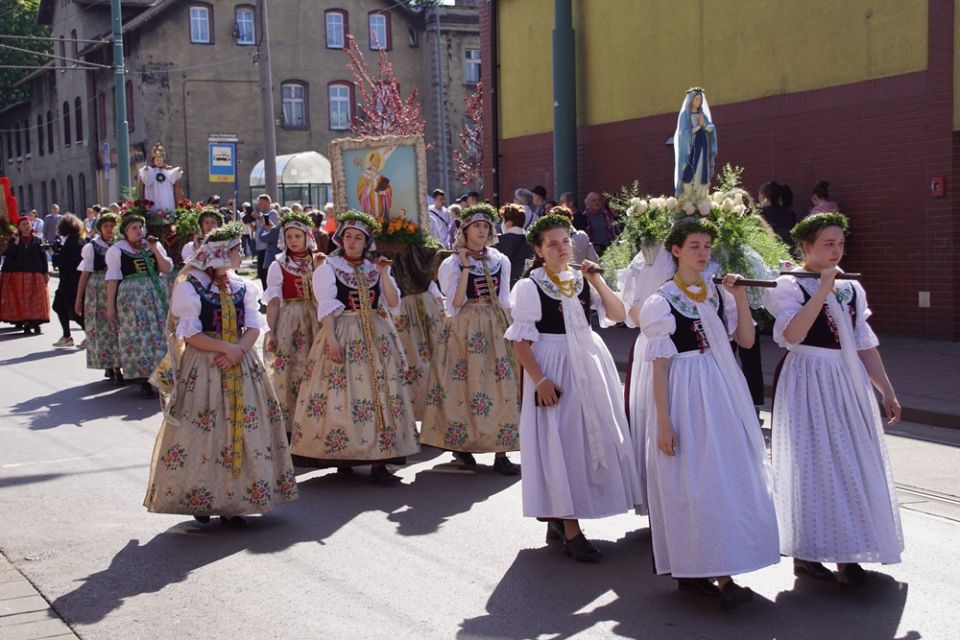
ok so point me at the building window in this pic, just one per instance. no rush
(9, 148)
(200, 31)
(43, 196)
(53, 192)
(16, 130)
(49, 131)
(246, 29)
(82, 183)
(20, 197)
(40, 133)
(413, 37)
(74, 47)
(101, 116)
(62, 63)
(71, 202)
(294, 105)
(471, 69)
(380, 36)
(78, 118)
(29, 204)
(130, 109)
(340, 99)
(66, 124)
(337, 28)
(26, 137)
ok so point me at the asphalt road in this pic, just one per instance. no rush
(446, 555)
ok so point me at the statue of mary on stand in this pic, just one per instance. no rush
(694, 147)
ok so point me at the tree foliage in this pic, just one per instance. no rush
(19, 18)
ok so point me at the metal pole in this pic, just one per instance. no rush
(266, 104)
(441, 107)
(120, 91)
(564, 100)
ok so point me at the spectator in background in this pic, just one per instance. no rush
(36, 224)
(455, 210)
(473, 197)
(90, 223)
(66, 259)
(600, 227)
(512, 242)
(774, 202)
(539, 201)
(820, 198)
(264, 217)
(568, 199)
(320, 235)
(582, 247)
(440, 221)
(524, 198)
(51, 223)
(269, 235)
(329, 219)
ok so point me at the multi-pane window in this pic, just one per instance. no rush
(246, 31)
(341, 112)
(49, 131)
(294, 97)
(200, 25)
(78, 118)
(379, 38)
(66, 124)
(471, 67)
(26, 136)
(40, 134)
(336, 29)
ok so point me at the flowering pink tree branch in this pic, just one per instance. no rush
(469, 157)
(383, 110)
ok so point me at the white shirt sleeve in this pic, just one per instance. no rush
(114, 271)
(188, 250)
(185, 305)
(783, 302)
(325, 291)
(731, 316)
(274, 290)
(526, 312)
(383, 299)
(164, 256)
(596, 303)
(504, 294)
(252, 318)
(658, 324)
(448, 275)
(863, 333)
(86, 258)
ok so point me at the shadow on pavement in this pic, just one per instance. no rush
(77, 405)
(544, 594)
(16, 481)
(34, 356)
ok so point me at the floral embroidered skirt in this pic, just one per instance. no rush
(191, 471)
(24, 297)
(419, 323)
(335, 418)
(141, 318)
(103, 346)
(473, 392)
(297, 327)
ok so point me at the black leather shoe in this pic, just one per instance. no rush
(466, 459)
(118, 378)
(554, 530)
(344, 470)
(812, 569)
(502, 465)
(733, 595)
(580, 549)
(698, 585)
(233, 521)
(852, 575)
(379, 474)
(146, 390)
(202, 519)
(108, 374)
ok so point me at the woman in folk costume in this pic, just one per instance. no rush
(103, 347)
(208, 219)
(577, 452)
(291, 311)
(353, 407)
(24, 299)
(221, 449)
(835, 496)
(137, 299)
(711, 506)
(473, 389)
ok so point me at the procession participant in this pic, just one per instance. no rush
(291, 311)
(66, 259)
(24, 299)
(577, 451)
(103, 348)
(208, 219)
(835, 496)
(473, 387)
(221, 449)
(711, 507)
(353, 408)
(137, 299)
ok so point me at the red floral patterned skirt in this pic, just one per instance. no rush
(24, 297)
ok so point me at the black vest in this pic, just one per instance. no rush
(477, 284)
(210, 314)
(134, 264)
(690, 335)
(551, 310)
(823, 332)
(350, 297)
(100, 257)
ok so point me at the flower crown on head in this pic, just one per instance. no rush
(546, 223)
(108, 216)
(296, 217)
(807, 229)
(128, 218)
(475, 212)
(226, 233)
(358, 219)
(210, 212)
(695, 90)
(686, 226)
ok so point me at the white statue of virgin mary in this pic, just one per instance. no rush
(160, 181)
(694, 146)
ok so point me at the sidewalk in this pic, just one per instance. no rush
(925, 373)
(24, 613)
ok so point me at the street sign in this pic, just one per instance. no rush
(223, 137)
(223, 161)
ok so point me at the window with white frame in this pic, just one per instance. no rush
(294, 96)
(471, 69)
(200, 25)
(341, 111)
(378, 32)
(336, 30)
(246, 31)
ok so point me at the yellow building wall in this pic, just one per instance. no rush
(635, 58)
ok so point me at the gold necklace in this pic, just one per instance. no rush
(567, 288)
(696, 297)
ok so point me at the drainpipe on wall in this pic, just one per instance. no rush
(441, 108)
(493, 103)
(564, 100)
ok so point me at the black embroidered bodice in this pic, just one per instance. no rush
(477, 284)
(134, 264)
(689, 335)
(551, 310)
(823, 332)
(100, 257)
(349, 295)
(210, 313)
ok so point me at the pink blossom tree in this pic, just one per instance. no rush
(469, 157)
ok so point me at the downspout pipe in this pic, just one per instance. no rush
(564, 99)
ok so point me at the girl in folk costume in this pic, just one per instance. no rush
(577, 451)
(24, 299)
(103, 348)
(291, 311)
(137, 299)
(711, 506)
(353, 407)
(208, 219)
(221, 449)
(835, 496)
(473, 388)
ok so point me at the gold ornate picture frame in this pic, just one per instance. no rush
(385, 176)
